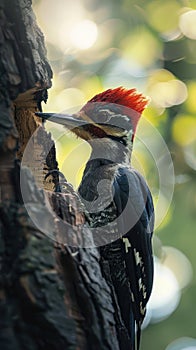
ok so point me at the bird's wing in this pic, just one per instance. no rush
(135, 223)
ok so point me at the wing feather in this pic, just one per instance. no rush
(136, 221)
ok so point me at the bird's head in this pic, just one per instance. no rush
(112, 114)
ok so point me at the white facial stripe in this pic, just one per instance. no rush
(108, 111)
(111, 113)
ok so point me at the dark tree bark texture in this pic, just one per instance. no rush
(51, 296)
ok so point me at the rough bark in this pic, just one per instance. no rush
(51, 296)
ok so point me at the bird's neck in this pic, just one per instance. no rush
(110, 151)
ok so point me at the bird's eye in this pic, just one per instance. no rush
(106, 115)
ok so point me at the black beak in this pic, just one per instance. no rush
(69, 121)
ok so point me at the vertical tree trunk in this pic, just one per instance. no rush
(51, 296)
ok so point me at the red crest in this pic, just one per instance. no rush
(124, 97)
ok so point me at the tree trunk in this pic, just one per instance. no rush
(52, 296)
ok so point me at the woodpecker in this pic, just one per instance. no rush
(118, 201)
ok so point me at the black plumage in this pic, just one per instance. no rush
(118, 202)
(124, 230)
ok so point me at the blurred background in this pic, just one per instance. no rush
(93, 45)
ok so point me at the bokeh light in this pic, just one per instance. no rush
(184, 129)
(71, 98)
(84, 34)
(65, 25)
(165, 295)
(135, 47)
(179, 264)
(166, 91)
(184, 343)
(168, 94)
(187, 24)
(163, 16)
(191, 100)
(190, 154)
